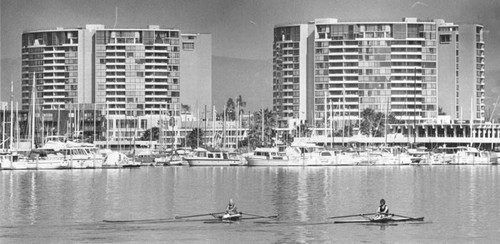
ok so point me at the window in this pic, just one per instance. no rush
(187, 46)
(444, 39)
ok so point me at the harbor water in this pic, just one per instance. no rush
(461, 204)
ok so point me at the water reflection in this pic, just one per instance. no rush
(458, 203)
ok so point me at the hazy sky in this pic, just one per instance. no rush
(239, 28)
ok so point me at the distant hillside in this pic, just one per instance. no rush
(252, 79)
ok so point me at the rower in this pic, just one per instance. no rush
(383, 210)
(231, 208)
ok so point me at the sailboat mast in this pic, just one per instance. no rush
(3, 125)
(58, 119)
(33, 97)
(237, 120)
(326, 115)
(262, 120)
(107, 127)
(11, 114)
(343, 113)
(17, 125)
(214, 118)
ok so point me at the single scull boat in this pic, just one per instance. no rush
(382, 220)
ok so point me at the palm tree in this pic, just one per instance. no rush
(194, 138)
(230, 110)
(185, 108)
(258, 135)
(373, 123)
(241, 104)
(154, 132)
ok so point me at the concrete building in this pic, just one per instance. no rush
(390, 67)
(291, 71)
(56, 58)
(461, 70)
(196, 67)
(132, 75)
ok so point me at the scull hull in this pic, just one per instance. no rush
(385, 220)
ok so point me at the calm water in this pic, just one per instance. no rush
(459, 203)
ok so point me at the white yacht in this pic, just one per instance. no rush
(204, 157)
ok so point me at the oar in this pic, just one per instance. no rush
(402, 216)
(352, 215)
(196, 215)
(137, 220)
(260, 216)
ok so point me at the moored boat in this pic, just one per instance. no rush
(11, 161)
(119, 160)
(74, 155)
(204, 157)
(390, 156)
(263, 156)
(296, 155)
(145, 156)
(173, 158)
(461, 155)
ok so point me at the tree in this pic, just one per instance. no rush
(241, 105)
(255, 133)
(373, 123)
(303, 129)
(194, 138)
(440, 111)
(286, 137)
(230, 110)
(185, 108)
(155, 131)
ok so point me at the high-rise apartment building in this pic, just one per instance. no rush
(461, 70)
(56, 58)
(137, 72)
(390, 67)
(291, 55)
(196, 64)
(134, 74)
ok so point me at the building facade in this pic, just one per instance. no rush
(390, 67)
(196, 65)
(56, 59)
(461, 71)
(291, 55)
(131, 75)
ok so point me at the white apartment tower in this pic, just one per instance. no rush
(291, 77)
(388, 66)
(132, 74)
(461, 70)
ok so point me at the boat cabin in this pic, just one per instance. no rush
(211, 154)
(268, 153)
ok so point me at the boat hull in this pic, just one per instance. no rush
(382, 220)
(272, 162)
(212, 162)
(292, 161)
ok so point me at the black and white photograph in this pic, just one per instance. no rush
(249, 121)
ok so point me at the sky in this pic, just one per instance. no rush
(240, 29)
